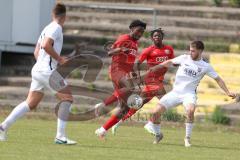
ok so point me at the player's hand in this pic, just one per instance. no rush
(232, 95)
(62, 60)
(124, 49)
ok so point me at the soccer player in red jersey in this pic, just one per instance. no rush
(154, 55)
(124, 53)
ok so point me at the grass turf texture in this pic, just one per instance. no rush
(33, 139)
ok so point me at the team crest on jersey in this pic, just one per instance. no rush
(167, 51)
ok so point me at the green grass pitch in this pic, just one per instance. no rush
(31, 139)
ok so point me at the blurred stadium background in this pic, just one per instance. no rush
(94, 22)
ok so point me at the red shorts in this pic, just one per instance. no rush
(116, 76)
(152, 90)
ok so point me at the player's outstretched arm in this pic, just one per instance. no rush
(165, 64)
(117, 50)
(222, 85)
(36, 51)
(47, 45)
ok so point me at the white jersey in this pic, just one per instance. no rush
(44, 61)
(190, 73)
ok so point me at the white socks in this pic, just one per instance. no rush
(61, 125)
(102, 130)
(63, 114)
(156, 127)
(189, 127)
(23, 108)
(16, 113)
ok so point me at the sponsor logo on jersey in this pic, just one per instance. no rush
(190, 72)
(161, 59)
(167, 51)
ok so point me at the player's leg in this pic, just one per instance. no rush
(149, 91)
(190, 105)
(168, 101)
(122, 86)
(154, 120)
(127, 89)
(147, 96)
(99, 108)
(33, 99)
(54, 82)
(115, 118)
(64, 105)
(153, 125)
(113, 98)
(130, 113)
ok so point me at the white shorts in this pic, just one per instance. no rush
(173, 99)
(52, 81)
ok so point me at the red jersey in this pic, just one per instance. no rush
(155, 56)
(124, 61)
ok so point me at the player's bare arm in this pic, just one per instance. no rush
(165, 64)
(223, 86)
(47, 45)
(36, 51)
(117, 51)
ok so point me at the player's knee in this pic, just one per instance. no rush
(190, 119)
(155, 118)
(191, 111)
(190, 116)
(159, 109)
(32, 105)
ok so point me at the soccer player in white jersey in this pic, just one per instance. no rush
(191, 70)
(47, 54)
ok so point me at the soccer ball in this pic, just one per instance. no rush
(134, 101)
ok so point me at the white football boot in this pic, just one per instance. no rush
(187, 142)
(64, 140)
(101, 133)
(3, 134)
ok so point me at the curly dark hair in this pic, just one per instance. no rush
(136, 23)
(160, 30)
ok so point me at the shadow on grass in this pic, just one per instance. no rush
(204, 147)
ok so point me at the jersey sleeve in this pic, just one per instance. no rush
(120, 40)
(143, 56)
(39, 39)
(179, 59)
(171, 56)
(211, 72)
(53, 32)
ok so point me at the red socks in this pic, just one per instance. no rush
(111, 122)
(129, 114)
